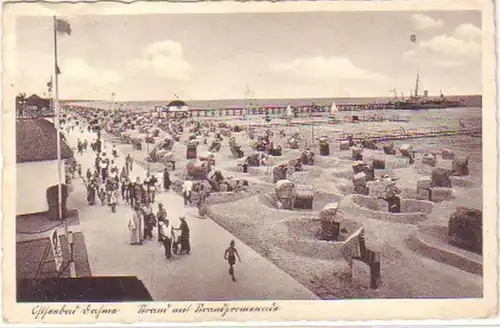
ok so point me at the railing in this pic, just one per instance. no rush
(405, 135)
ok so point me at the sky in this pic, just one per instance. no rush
(273, 55)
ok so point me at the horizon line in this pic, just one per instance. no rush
(283, 98)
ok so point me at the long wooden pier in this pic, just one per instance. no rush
(281, 110)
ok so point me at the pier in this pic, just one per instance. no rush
(281, 110)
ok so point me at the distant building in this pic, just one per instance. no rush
(33, 106)
(36, 164)
(174, 109)
(36, 103)
(178, 105)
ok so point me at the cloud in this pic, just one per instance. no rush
(468, 32)
(423, 22)
(452, 46)
(463, 43)
(449, 63)
(163, 60)
(78, 70)
(324, 69)
(79, 78)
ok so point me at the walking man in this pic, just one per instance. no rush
(184, 237)
(161, 217)
(187, 187)
(167, 242)
(166, 180)
(149, 221)
(230, 256)
(202, 195)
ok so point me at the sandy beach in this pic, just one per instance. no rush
(288, 238)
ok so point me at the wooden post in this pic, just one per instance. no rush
(374, 274)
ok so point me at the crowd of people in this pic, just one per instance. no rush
(108, 185)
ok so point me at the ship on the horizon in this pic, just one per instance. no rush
(417, 102)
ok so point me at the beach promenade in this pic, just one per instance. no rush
(200, 276)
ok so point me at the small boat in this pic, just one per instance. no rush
(289, 111)
(333, 112)
(333, 109)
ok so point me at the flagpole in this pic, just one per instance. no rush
(57, 122)
(51, 94)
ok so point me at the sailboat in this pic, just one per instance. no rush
(334, 110)
(289, 112)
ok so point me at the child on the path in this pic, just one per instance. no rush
(230, 255)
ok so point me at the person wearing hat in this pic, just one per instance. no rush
(187, 188)
(166, 179)
(184, 237)
(202, 196)
(149, 221)
(161, 216)
(166, 240)
(128, 162)
(132, 193)
(134, 227)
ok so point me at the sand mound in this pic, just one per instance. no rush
(345, 174)
(413, 211)
(284, 229)
(261, 171)
(288, 236)
(391, 161)
(305, 176)
(300, 239)
(346, 189)
(227, 197)
(432, 242)
(310, 228)
(464, 182)
(331, 161)
(321, 198)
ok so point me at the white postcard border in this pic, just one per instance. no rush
(377, 309)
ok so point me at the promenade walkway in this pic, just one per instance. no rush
(200, 276)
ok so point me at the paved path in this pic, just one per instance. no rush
(202, 275)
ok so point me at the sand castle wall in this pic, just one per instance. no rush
(226, 197)
(427, 243)
(360, 206)
(288, 230)
(321, 198)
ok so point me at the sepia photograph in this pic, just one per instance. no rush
(249, 156)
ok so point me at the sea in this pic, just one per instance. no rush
(469, 101)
